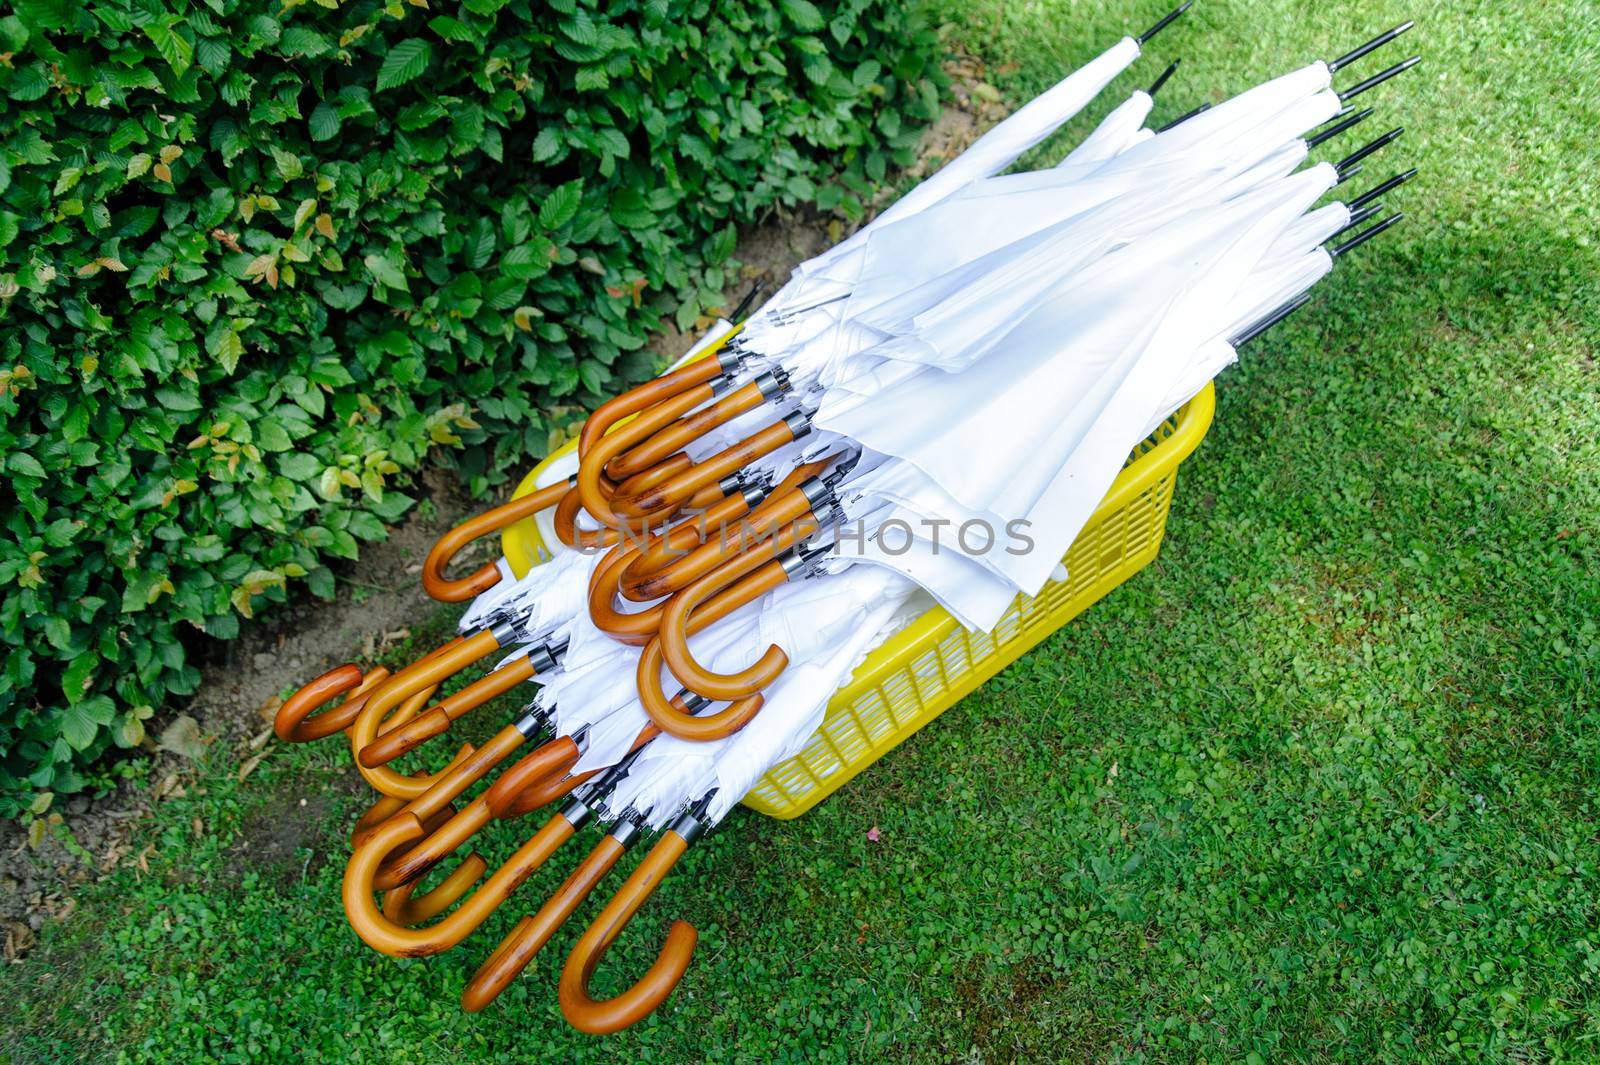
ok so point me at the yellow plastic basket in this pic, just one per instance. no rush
(926, 668)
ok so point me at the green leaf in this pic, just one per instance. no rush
(77, 727)
(405, 62)
(304, 41)
(480, 243)
(324, 122)
(60, 532)
(591, 79)
(386, 272)
(561, 205)
(546, 145)
(58, 631)
(288, 164)
(299, 465)
(43, 14)
(803, 14)
(527, 261)
(272, 436)
(721, 245)
(366, 527)
(78, 675)
(25, 464)
(174, 48)
(450, 29)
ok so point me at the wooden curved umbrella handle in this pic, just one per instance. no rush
(401, 908)
(597, 1017)
(592, 465)
(664, 554)
(397, 741)
(387, 806)
(673, 716)
(436, 584)
(555, 786)
(662, 551)
(675, 627)
(761, 523)
(632, 502)
(685, 431)
(540, 773)
(386, 936)
(551, 761)
(461, 774)
(437, 667)
(634, 629)
(642, 397)
(531, 934)
(294, 723)
(567, 531)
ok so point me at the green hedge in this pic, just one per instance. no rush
(257, 260)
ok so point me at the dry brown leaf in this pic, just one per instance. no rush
(269, 709)
(183, 738)
(249, 764)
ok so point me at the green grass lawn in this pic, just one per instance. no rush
(1318, 784)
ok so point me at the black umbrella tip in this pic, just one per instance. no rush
(1366, 235)
(1367, 149)
(1271, 319)
(1378, 79)
(1181, 119)
(748, 301)
(1370, 46)
(1155, 86)
(1165, 21)
(1379, 190)
(1347, 121)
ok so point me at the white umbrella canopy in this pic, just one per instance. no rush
(1006, 248)
(1075, 386)
(1066, 348)
(1116, 133)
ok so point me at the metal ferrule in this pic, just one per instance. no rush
(817, 492)
(693, 702)
(532, 723)
(793, 563)
(731, 483)
(504, 632)
(826, 514)
(541, 658)
(799, 423)
(754, 496)
(722, 385)
(731, 355)
(626, 831)
(772, 383)
(577, 812)
(690, 827)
